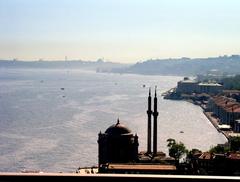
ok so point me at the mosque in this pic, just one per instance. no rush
(118, 149)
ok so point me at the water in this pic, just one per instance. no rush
(44, 127)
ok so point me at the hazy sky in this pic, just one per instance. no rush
(118, 30)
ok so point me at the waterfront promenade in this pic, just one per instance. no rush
(212, 119)
(215, 123)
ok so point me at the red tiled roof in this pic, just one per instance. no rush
(233, 109)
(231, 106)
(206, 155)
(234, 156)
(226, 103)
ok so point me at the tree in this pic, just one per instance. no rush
(176, 150)
(233, 146)
(231, 83)
(234, 143)
(219, 149)
(191, 153)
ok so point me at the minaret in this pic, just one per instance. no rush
(118, 122)
(155, 115)
(149, 131)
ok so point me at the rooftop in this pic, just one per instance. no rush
(234, 134)
(117, 129)
(189, 81)
(227, 104)
(234, 156)
(139, 167)
(205, 155)
(224, 126)
(210, 84)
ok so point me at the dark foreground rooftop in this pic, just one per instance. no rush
(9, 177)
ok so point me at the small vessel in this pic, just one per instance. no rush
(181, 131)
(62, 88)
(144, 86)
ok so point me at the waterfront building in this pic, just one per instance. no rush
(217, 164)
(118, 149)
(188, 86)
(237, 125)
(235, 94)
(226, 109)
(209, 88)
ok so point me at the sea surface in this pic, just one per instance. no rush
(50, 119)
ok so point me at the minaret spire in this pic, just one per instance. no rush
(118, 122)
(149, 130)
(155, 91)
(155, 115)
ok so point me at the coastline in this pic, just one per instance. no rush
(170, 94)
(215, 122)
(212, 120)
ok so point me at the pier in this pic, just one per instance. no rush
(168, 92)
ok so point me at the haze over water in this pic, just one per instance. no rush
(50, 119)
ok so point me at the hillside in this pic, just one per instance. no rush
(185, 66)
(99, 65)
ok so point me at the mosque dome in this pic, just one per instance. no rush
(117, 129)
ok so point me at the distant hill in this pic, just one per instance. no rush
(179, 66)
(99, 65)
(184, 66)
